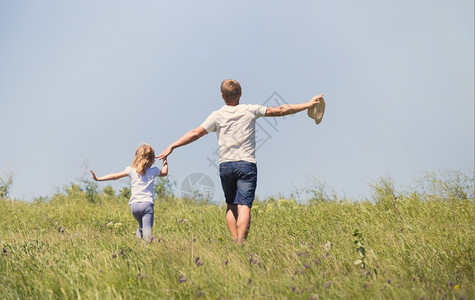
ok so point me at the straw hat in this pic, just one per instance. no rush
(316, 112)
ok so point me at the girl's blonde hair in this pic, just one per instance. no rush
(144, 158)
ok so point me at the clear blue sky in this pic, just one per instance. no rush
(82, 83)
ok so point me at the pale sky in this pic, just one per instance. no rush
(83, 83)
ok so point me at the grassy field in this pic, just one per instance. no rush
(414, 245)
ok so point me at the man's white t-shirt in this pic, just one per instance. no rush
(142, 185)
(236, 130)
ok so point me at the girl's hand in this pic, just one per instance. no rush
(93, 175)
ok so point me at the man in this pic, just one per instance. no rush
(234, 124)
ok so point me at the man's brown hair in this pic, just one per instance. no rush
(231, 90)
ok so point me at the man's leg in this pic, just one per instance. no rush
(232, 219)
(246, 189)
(243, 222)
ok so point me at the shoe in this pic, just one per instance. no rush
(316, 112)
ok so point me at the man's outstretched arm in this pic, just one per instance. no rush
(288, 109)
(187, 138)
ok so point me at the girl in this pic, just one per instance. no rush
(143, 176)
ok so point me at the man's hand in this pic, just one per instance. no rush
(164, 154)
(315, 100)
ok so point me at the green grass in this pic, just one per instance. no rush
(75, 246)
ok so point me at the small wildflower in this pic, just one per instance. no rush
(306, 266)
(200, 293)
(463, 297)
(388, 281)
(4, 250)
(327, 246)
(226, 262)
(327, 285)
(293, 289)
(315, 261)
(254, 261)
(413, 279)
(114, 255)
(302, 253)
(152, 238)
(122, 253)
(456, 287)
(198, 261)
(181, 278)
(365, 285)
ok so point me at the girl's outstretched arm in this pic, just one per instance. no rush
(164, 170)
(113, 176)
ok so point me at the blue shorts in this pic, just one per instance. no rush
(239, 181)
